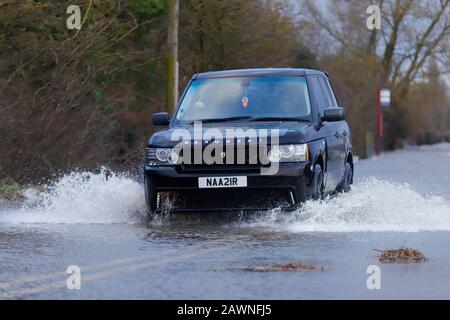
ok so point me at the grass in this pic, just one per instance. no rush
(9, 191)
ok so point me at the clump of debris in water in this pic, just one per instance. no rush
(402, 255)
(296, 266)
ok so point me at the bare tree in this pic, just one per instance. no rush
(413, 32)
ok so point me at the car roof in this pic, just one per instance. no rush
(262, 72)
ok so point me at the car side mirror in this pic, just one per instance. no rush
(161, 119)
(333, 114)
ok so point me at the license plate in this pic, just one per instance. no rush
(222, 182)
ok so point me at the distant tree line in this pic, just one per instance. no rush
(409, 55)
(84, 98)
(80, 98)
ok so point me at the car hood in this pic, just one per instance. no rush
(288, 132)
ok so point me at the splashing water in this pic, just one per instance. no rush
(372, 206)
(83, 198)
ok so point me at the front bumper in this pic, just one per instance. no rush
(290, 177)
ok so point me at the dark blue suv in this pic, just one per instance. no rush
(249, 140)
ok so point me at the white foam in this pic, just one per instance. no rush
(83, 198)
(372, 206)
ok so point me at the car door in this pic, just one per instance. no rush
(342, 129)
(329, 131)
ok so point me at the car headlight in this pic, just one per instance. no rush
(164, 156)
(289, 153)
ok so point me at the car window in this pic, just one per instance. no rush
(254, 97)
(334, 102)
(317, 93)
(326, 92)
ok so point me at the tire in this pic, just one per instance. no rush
(317, 183)
(150, 195)
(347, 179)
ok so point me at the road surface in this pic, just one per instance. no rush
(83, 220)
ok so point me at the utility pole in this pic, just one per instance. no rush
(172, 56)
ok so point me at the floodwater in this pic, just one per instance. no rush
(399, 199)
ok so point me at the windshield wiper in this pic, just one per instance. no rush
(223, 119)
(278, 119)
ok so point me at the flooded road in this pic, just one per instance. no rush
(399, 199)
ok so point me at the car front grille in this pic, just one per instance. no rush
(243, 160)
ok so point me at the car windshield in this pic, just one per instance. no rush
(246, 98)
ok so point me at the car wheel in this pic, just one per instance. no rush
(347, 180)
(317, 185)
(150, 195)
